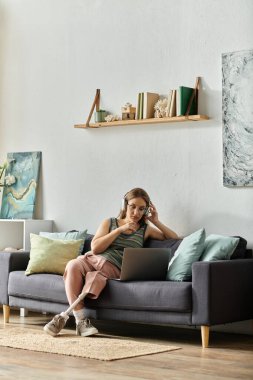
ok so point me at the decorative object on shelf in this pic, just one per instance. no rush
(100, 116)
(161, 108)
(19, 194)
(237, 93)
(111, 117)
(128, 112)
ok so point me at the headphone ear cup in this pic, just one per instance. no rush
(147, 210)
(123, 204)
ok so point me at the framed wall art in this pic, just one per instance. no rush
(19, 193)
(237, 115)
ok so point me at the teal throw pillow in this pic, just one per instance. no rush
(218, 247)
(189, 251)
(70, 235)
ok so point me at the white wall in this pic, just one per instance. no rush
(55, 53)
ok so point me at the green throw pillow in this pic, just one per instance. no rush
(218, 247)
(189, 251)
(70, 235)
(51, 256)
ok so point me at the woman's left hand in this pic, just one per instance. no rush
(153, 217)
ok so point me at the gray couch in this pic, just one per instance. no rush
(220, 292)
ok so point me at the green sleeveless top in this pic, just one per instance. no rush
(114, 253)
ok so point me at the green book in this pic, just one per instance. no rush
(183, 98)
(141, 105)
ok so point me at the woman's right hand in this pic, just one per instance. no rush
(129, 227)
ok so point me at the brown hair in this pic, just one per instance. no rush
(134, 193)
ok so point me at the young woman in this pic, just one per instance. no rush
(87, 275)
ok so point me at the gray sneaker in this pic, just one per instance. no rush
(85, 328)
(56, 325)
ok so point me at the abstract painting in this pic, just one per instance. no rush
(19, 194)
(237, 113)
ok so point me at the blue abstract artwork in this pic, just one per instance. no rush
(19, 196)
(237, 114)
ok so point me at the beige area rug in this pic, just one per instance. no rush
(100, 347)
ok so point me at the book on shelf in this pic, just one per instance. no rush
(145, 105)
(139, 108)
(149, 101)
(168, 103)
(183, 98)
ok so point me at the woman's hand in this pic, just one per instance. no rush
(161, 231)
(153, 217)
(129, 227)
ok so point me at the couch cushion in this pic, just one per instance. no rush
(173, 244)
(87, 243)
(145, 295)
(241, 251)
(69, 235)
(218, 247)
(42, 287)
(51, 256)
(189, 251)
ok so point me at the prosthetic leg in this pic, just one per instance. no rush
(58, 322)
(73, 305)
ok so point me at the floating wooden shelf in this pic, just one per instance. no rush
(144, 121)
(187, 117)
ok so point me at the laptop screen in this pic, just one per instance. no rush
(145, 264)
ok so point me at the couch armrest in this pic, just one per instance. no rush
(222, 291)
(10, 261)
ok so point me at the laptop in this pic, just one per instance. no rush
(145, 264)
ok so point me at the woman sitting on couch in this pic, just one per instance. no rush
(86, 276)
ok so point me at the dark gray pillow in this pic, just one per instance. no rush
(173, 244)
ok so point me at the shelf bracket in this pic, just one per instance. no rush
(194, 95)
(96, 103)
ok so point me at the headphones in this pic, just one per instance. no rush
(124, 204)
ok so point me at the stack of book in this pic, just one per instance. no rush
(145, 106)
(180, 102)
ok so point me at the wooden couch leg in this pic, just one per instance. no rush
(6, 312)
(205, 336)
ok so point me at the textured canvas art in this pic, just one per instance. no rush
(19, 195)
(237, 109)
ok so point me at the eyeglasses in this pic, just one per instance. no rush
(141, 209)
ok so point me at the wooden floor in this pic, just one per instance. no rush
(230, 356)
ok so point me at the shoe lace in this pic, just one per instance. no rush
(85, 322)
(55, 321)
